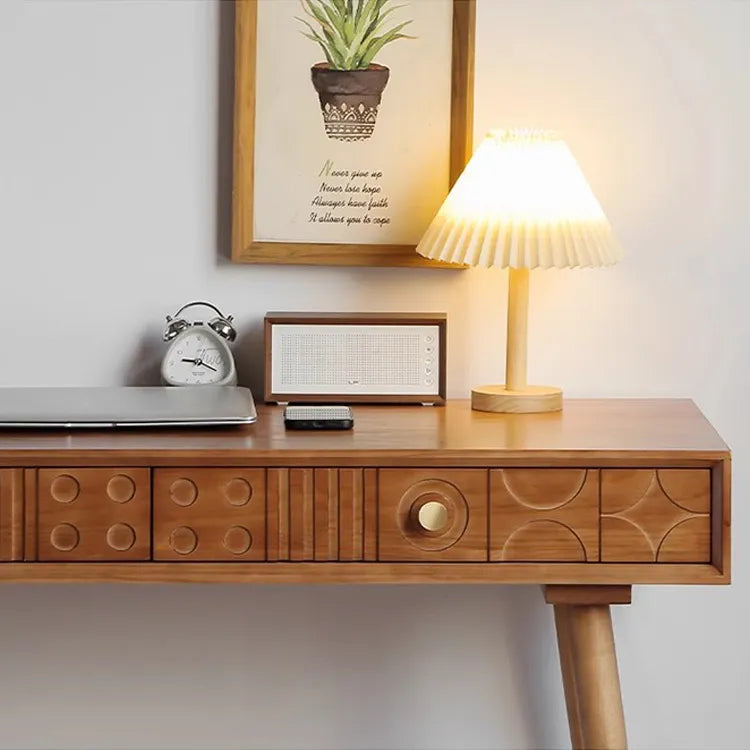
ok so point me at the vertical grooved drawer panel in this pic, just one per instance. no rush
(326, 515)
(11, 514)
(301, 514)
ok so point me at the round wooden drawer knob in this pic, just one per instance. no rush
(432, 516)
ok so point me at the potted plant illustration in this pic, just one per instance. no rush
(349, 83)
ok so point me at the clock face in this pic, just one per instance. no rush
(197, 357)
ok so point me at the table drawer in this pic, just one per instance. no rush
(323, 514)
(93, 514)
(351, 514)
(209, 514)
(544, 515)
(432, 514)
(650, 515)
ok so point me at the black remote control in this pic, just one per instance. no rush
(318, 418)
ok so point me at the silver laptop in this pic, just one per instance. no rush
(199, 406)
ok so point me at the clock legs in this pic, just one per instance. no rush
(589, 664)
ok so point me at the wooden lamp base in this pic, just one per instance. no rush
(530, 398)
(515, 397)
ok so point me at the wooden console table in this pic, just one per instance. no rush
(586, 502)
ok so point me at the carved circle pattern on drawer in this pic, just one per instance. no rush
(65, 489)
(692, 533)
(677, 485)
(92, 514)
(544, 514)
(544, 490)
(238, 540)
(209, 514)
(542, 539)
(183, 492)
(432, 491)
(238, 491)
(121, 488)
(183, 540)
(121, 537)
(64, 537)
(656, 515)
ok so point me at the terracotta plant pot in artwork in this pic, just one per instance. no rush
(349, 99)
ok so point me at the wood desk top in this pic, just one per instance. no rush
(604, 492)
(609, 430)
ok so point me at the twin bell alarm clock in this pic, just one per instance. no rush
(198, 352)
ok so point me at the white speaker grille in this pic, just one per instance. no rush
(373, 359)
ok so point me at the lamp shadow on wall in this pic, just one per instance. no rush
(224, 132)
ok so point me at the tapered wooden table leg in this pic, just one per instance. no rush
(589, 669)
(562, 625)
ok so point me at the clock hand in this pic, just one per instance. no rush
(199, 361)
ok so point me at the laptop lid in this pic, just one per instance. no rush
(156, 406)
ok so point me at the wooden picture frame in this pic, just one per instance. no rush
(245, 248)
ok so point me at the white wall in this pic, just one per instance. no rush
(115, 154)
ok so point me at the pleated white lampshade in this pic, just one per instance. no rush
(521, 202)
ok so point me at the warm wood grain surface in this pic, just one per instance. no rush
(590, 677)
(594, 574)
(93, 514)
(588, 595)
(653, 515)
(460, 493)
(11, 514)
(209, 514)
(544, 514)
(656, 431)
(604, 492)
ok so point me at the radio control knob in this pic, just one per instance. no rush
(432, 516)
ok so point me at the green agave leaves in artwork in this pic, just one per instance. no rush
(351, 32)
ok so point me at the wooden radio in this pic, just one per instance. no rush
(355, 357)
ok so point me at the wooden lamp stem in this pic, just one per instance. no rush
(516, 396)
(518, 317)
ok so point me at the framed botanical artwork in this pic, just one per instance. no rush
(352, 119)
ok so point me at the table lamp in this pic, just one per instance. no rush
(522, 202)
